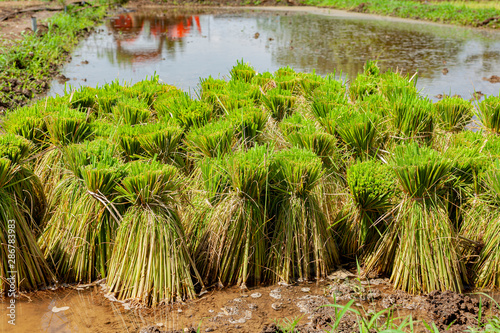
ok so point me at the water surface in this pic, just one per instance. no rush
(183, 46)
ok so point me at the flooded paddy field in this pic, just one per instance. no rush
(182, 46)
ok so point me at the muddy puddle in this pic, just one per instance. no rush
(183, 46)
(91, 309)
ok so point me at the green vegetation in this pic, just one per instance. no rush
(29, 65)
(267, 177)
(469, 13)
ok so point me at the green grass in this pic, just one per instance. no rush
(28, 66)
(461, 13)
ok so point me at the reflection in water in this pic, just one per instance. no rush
(141, 38)
(181, 48)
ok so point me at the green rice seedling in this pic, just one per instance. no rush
(374, 103)
(162, 141)
(279, 102)
(290, 82)
(265, 81)
(185, 111)
(334, 116)
(151, 263)
(14, 147)
(302, 244)
(285, 71)
(412, 119)
(66, 126)
(310, 82)
(24, 186)
(393, 85)
(325, 99)
(238, 94)
(302, 133)
(249, 123)
(233, 247)
(212, 140)
(488, 113)
(365, 84)
(131, 111)
(371, 188)
(487, 267)
(19, 251)
(83, 98)
(420, 249)
(27, 122)
(359, 133)
(215, 179)
(79, 233)
(147, 90)
(128, 141)
(242, 71)
(453, 113)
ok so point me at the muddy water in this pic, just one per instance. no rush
(183, 46)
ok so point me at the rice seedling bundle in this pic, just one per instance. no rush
(27, 122)
(80, 232)
(488, 113)
(212, 140)
(326, 98)
(363, 86)
(393, 85)
(233, 247)
(412, 118)
(24, 184)
(151, 263)
(302, 245)
(147, 90)
(18, 245)
(310, 82)
(359, 133)
(302, 133)
(66, 126)
(249, 123)
(84, 98)
(185, 111)
(264, 80)
(420, 248)
(131, 111)
(453, 113)
(279, 102)
(242, 72)
(371, 187)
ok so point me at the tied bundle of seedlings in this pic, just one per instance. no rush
(302, 244)
(23, 267)
(279, 102)
(131, 111)
(148, 90)
(393, 85)
(65, 126)
(359, 132)
(310, 82)
(151, 263)
(302, 133)
(488, 113)
(249, 123)
(233, 246)
(242, 72)
(81, 229)
(367, 83)
(371, 189)
(420, 249)
(484, 221)
(25, 186)
(27, 122)
(185, 111)
(157, 140)
(411, 118)
(212, 140)
(326, 98)
(83, 98)
(453, 114)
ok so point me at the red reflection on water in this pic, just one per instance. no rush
(141, 38)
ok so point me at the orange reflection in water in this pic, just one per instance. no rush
(141, 38)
